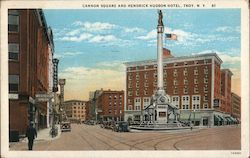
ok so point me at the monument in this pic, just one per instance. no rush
(160, 114)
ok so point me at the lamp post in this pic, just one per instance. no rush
(120, 115)
(194, 117)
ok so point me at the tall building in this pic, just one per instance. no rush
(236, 106)
(225, 106)
(75, 110)
(106, 105)
(110, 105)
(31, 48)
(192, 82)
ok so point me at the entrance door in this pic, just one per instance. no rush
(205, 121)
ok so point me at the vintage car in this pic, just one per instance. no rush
(65, 126)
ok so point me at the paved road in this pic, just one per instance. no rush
(86, 137)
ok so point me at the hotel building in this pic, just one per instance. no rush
(192, 82)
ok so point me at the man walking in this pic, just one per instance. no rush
(31, 134)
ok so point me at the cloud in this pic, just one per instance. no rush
(133, 30)
(67, 54)
(73, 32)
(101, 39)
(227, 29)
(82, 80)
(96, 26)
(150, 35)
(82, 37)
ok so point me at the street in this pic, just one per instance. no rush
(87, 137)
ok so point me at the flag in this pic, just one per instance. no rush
(171, 36)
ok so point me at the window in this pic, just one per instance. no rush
(196, 90)
(137, 107)
(205, 98)
(129, 101)
(13, 83)
(185, 72)
(137, 85)
(130, 107)
(13, 51)
(137, 93)
(205, 89)
(205, 71)
(164, 74)
(13, 21)
(185, 63)
(185, 81)
(129, 85)
(196, 101)
(195, 72)
(175, 64)
(195, 81)
(130, 77)
(175, 82)
(175, 73)
(175, 91)
(145, 92)
(155, 66)
(137, 76)
(175, 101)
(146, 75)
(155, 75)
(205, 105)
(145, 67)
(146, 84)
(196, 62)
(185, 90)
(129, 93)
(205, 80)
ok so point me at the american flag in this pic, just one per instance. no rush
(171, 36)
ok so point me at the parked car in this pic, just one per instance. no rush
(65, 126)
(121, 127)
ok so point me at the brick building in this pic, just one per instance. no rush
(225, 105)
(75, 110)
(31, 48)
(192, 82)
(107, 104)
(236, 106)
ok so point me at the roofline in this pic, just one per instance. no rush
(173, 59)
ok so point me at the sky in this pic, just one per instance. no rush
(92, 45)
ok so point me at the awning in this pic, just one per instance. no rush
(217, 118)
(222, 118)
(228, 119)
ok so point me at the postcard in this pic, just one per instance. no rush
(124, 78)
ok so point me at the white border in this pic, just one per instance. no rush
(75, 4)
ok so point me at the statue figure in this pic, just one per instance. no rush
(160, 23)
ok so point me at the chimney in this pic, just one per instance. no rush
(166, 53)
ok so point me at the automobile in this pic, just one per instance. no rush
(121, 126)
(65, 126)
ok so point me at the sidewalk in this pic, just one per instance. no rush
(44, 134)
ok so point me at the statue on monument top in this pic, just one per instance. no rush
(160, 23)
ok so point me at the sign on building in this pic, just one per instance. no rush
(216, 102)
(44, 97)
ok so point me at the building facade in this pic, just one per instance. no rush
(110, 105)
(31, 47)
(193, 84)
(75, 110)
(236, 106)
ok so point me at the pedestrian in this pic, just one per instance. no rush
(31, 134)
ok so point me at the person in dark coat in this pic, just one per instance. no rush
(31, 134)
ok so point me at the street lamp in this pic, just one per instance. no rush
(194, 117)
(120, 115)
